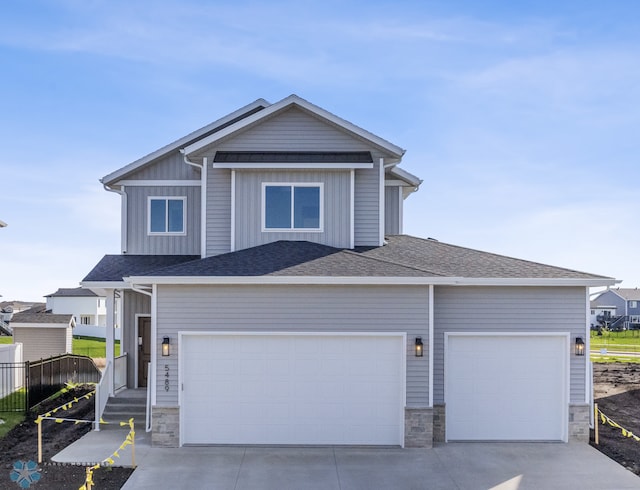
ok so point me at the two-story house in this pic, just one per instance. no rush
(270, 297)
(625, 305)
(85, 305)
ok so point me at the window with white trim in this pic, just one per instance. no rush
(633, 304)
(292, 207)
(167, 215)
(85, 319)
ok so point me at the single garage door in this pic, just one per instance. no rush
(292, 389)
(506, 388)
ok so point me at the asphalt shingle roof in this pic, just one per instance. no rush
(293, 156)
(629, 294)
(71, 292)
(113, 268)
(402, 256)
(40, 314)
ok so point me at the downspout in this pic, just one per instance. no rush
(123, 215)
(203, 200)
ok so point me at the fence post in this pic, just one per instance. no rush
(27, 381)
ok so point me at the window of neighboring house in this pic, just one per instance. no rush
(292, 207)
(85, 319)
(167, 215)
(633, 304)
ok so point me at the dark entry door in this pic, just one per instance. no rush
(144, 350)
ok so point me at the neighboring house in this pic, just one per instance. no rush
(85, 305)
(266, 283)
(602, 315)
(43, 334)
(627, 307)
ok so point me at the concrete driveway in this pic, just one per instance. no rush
(502, 466)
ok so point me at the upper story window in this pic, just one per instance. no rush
(167, 215)
(292, 207)
(633, 304)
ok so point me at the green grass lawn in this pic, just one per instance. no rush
(92, 346)
(616, 342)
(6, 340)
(10, 419)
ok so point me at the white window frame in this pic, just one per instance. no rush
(184, 216)
(87, 318)
(319, 185)
(633, 304)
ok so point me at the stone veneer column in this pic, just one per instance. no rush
(418, 427)
(439, 427)
(165, 426)
(579, 415)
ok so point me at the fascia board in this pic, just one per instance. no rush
(109, 179)
(367, 280)
(406, 176)
(291, 165)
(284, 103)
(105, 284)
(41, 325)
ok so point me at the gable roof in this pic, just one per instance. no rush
(284, 104)
(72, 293)
(207, 130)
(628, 294)
(409, 259)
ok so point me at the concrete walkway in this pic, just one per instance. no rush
(462, 466)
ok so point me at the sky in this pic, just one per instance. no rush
(522, 118)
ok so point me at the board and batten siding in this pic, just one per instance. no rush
(510, 309)
(391, 210)
(140, 242)
(336, 203)
(296, 130)
(218, 211)
(133, 304)
(170, 167)
(293, 309)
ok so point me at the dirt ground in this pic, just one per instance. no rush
(617, 393)
(20, 444)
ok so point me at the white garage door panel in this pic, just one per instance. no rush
(506, 388)
(292, 389)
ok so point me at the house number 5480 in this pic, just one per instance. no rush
(166, 377)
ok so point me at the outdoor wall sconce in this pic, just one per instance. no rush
(579, 346)
(165, 346)
(419, 347)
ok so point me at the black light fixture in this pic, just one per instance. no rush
(579, 346)
(419, 347)
(165, 346)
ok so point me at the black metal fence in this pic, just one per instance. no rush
(24, 385)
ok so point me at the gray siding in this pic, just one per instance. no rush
(509, 309)
(295, 309)
(41, 343)
(139, 242)
(134, 303)
(609, 298)
(291, 130)
(337, 203)
(218, 211)
(367, 196)
(171, 167)
(391, 211)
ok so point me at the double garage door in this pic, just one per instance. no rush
(254, 388)
(506, 388)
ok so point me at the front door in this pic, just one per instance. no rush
(144, 350)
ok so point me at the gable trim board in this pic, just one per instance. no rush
(292, 387)
(295, 166)
(499, 389)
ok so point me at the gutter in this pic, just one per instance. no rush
(203, 199)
